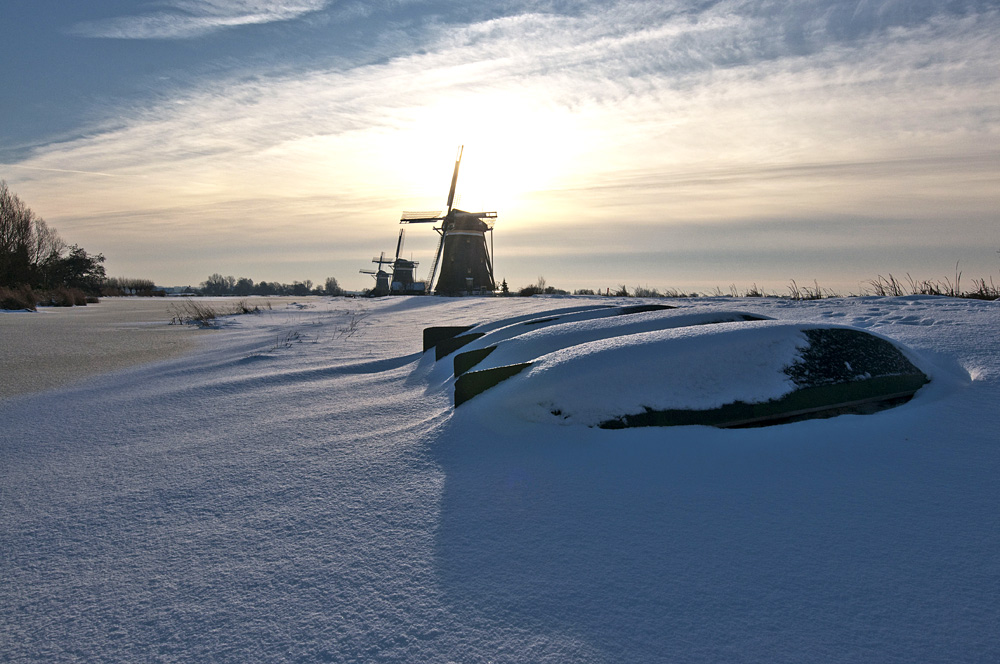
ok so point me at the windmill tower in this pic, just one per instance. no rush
(462, 254)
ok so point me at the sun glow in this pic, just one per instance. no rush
(515, 146)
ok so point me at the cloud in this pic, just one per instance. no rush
(184, 19)
(618, 78)
(60, 170)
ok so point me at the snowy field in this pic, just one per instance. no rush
(298, 487)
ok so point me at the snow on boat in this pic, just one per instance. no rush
(493, 351)
(724, 369)
(446, 340)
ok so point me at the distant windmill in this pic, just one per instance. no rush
(381, 276)
(404, 272)
(462, 253)
(402, 280)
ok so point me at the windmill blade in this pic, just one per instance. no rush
(399, 243)
(489, 256)
(421, 217)
(454, 177)
(434, 265)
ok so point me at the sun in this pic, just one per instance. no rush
(514, 147)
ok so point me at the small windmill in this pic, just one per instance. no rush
(404, 272)
(381, 276)
(463, 255)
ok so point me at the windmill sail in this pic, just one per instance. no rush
(437, 255)
(454, 177)
(399, 243)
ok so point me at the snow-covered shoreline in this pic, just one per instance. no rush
(297, 486)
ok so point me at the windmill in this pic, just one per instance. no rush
(462, 253)
(402, 279)
(381, 276)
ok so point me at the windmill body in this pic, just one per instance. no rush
(463, 254)
(465, 259)
(403, 278)
(404, 273)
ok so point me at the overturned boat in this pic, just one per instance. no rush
(613, 367)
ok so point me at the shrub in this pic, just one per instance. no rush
(17, 298)
(63, 297)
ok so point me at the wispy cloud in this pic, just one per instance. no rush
(626, 83)
(183, 19)
(61, 170)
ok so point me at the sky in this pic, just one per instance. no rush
(682, 144)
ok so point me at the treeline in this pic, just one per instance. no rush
(119, 286)
(243, 286)
(36, 265)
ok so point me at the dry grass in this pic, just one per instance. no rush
(64, 297)
(18, 298)
(983, 290)
(25, 298)
(190, 311)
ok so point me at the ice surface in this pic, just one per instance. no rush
(299, 488)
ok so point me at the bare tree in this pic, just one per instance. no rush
(15, 238)
(332, 287)
(46, 242)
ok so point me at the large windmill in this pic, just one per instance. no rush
(462, 254)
